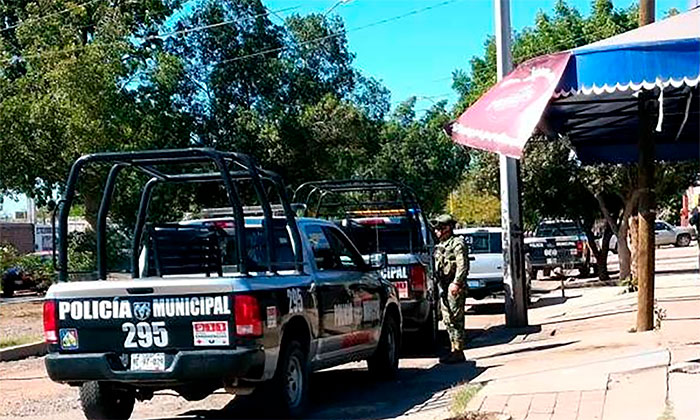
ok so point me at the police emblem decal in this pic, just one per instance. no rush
(142, 310)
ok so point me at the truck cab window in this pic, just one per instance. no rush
(331, 250)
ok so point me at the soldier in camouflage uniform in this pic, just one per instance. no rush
(452, 267)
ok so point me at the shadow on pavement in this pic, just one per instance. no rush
(532, 348)
(501, 334)
(551, 300)
(354, 394)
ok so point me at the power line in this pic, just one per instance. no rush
(24, 22)
(151, 37)
(215, 25)
(339, 33)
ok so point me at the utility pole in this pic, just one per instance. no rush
(646, 248)
(511, 219)
(647, 10)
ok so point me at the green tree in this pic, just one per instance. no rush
(417, 152)
(77, 79)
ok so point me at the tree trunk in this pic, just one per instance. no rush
(602, 259)
(634, 245)
(623, 250)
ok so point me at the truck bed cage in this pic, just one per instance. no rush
(230, 167)
(319, 190)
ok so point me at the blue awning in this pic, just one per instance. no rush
(596, 101)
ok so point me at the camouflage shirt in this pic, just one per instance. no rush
(452, 261)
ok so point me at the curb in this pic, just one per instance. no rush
(23, 351)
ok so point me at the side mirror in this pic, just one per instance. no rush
(378, 261)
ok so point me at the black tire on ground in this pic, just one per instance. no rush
(384, 363)
(290, 385)
(547, 272)
(427, 336)
(102, 401)
(682, 240)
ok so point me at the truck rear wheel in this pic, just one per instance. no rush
(102, 401)
(290, 385)
(428, 333)
(384, 363)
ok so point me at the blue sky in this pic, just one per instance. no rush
(417, 54)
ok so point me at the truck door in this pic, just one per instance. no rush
(365, 288)
(335, 297)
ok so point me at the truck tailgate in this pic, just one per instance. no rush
(142, 316)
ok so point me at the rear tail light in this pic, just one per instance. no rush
(50, 332)
(579, 247)
(418, 278)
(247, 312)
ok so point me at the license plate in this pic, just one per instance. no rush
(154, 362)
(473, 284)
(402, 287)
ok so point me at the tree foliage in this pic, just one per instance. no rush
(101, 76)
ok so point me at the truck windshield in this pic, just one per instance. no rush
(557, 229)
(484, 242)
(393, 235)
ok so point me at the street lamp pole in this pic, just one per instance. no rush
(511, 219)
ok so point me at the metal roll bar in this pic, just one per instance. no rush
(145, 161)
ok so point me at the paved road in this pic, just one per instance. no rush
(421, 391)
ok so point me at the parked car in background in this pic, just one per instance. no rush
(557, 244)
(666, 234)
(486, 261)
(33, 272)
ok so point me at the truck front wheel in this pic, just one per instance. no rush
(384, 363)
(102, 401)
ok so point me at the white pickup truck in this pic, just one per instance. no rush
(486, 261)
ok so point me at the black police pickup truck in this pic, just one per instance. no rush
(230, 302)
(384, 216)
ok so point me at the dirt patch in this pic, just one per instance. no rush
(21, 321)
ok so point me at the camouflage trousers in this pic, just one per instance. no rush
(453, 317)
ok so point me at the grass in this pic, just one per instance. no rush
(16, 341)
(462, 397)
(668, 413)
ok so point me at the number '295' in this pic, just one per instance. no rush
(145, 334)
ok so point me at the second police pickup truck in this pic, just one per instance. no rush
(384, 216)
(230, 302)
(557, 244)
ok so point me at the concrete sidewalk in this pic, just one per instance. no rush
(580, 360)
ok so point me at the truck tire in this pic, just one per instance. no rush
(384, 363)
(584, 271)
(101, 401)
(682, 240)
(428, 333)
(290, 385)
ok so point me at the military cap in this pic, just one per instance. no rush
(444, 220)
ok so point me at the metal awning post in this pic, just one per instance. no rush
(647, 215)
(511, 219)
